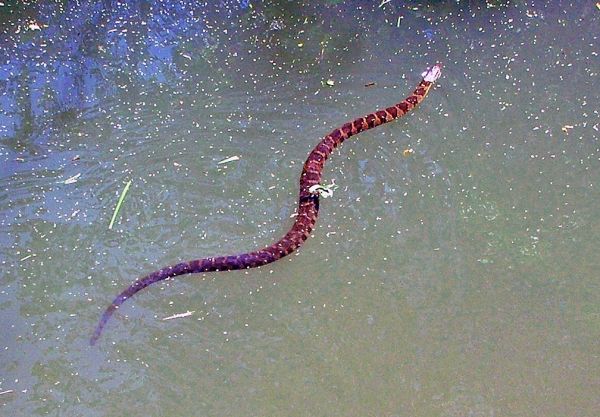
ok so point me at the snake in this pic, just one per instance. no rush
(308, 204)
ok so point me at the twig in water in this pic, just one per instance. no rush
(230, 159)
(118, 207)
(179, 315)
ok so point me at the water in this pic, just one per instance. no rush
(458, 280)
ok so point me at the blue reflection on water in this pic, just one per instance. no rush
(85, 49)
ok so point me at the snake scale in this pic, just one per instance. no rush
(308, 204)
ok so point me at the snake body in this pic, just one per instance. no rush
(308, 205)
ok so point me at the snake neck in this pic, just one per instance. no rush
(313, 167)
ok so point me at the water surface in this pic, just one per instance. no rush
(460, 279)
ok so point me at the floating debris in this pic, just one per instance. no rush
(230, 159)
(566, 128)
(323, 190)
(330, 82)
(531, 14)
(73, 179)
(407, 152)
(180, 315)
(33, 25)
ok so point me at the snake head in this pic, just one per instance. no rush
(433, 73)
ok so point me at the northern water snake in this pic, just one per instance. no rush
(308, 204)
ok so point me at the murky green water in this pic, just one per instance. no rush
(460, 280)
